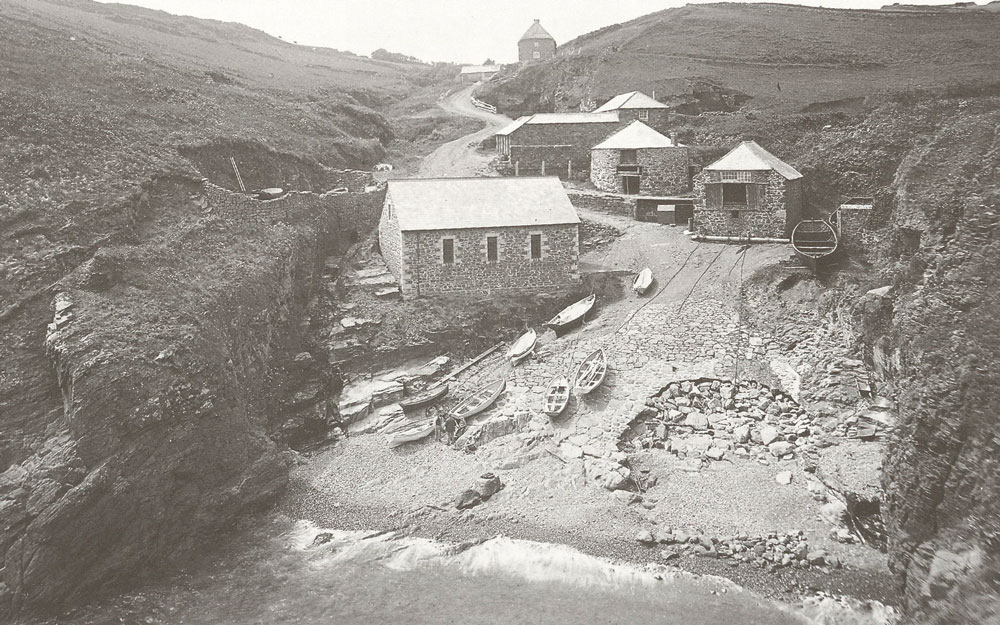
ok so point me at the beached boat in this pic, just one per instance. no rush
(270, 193)
(479, 400)
(814, 241)
(522, 347)
(643, 281)
(571, 315)
(409, 431)
(591, 372)
(426, 398)
(557, 397)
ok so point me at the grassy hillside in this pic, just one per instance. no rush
(762, 56)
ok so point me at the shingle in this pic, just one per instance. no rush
(458, 203)
(635, 136)
(630, 100)
(748, 156)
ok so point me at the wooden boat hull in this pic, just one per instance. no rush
(815, 242)
(410, 432)
(571, 316)
(424, 399)
(557, 397)
(591, 372)
(643, 281)
(522, 347)
(479, 400)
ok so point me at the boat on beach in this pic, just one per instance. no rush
(409, 431)
(591, 372)
(522, 347)
(479, 400)
(425, 398)
(557, 396)
(571, 315)
(642, 282)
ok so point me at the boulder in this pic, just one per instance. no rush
(468, 499)
(697, 421)
(784, 478)
(645, 537)
(715, 453)
(742, 434)
(768, 434)
(817, 557)
(780, 448)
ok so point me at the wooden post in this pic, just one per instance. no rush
(569, 170)
(543, 168)
(517, 168)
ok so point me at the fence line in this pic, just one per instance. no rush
(483, 105)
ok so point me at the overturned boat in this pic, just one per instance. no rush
(814, 241)
(643, 280)
(522, 347)
(571, 315)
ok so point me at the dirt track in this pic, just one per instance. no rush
(460, 158)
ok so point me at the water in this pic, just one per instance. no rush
(354, 579)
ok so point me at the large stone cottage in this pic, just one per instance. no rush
(638, 160)
(479, 236)
(536, 44)
(637, 106)
(554, 143)
(748, 192)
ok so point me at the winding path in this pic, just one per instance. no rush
(460, 158)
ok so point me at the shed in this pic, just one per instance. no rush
(637, 106)
(639, 160)
(555, 143)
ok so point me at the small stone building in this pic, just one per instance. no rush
(479, 236)
(748, 192)
(536, 44)
(637, 160)
(475, 73)
(555, 143)
(637, 106)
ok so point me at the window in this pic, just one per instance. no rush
(536, 55)
(536, 246)
(737, 176)
(491, 249)
(448, 251)
(627, 156)
(536, 44)
(734, 194)
(734, 214)
(644, 115)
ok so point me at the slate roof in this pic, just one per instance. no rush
(459, 203)
(635, 136)
(480, 69)
(748, 156)
(573, 118)
(630, 100)
(536, 32)
(514, 125)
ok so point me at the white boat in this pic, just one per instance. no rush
(571, 315)
(522, 347)
(557, 397)
(643, 281)
(479, 400)
(591, 372)
(409, 431)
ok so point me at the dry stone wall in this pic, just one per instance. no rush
(612, 204)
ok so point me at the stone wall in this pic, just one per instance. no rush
(525, 49)
(664, 170)
(390, 239)
(623, 205)
(856, 231)
(658, 119)
(779, 208)
(556, 144)
(425, 273)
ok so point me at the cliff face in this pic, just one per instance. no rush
(936, 342)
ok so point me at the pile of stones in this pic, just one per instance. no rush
(713, 419)
(772, 552)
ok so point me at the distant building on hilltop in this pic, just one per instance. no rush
(536, 44)
(479, 236)
(636, 105)
(639, 160)
(748, 192)
(476, 73)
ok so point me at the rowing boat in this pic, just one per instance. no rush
(425, 398)
(642, 281)
(479, 400)
(591, 372)
(409, 431)
(571, 315)
(557, 397)
(814, 241)
(522, 347)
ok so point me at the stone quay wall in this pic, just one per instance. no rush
(424, 272)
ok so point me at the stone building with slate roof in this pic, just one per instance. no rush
(637, 106)
(748, 192)
(536, 44)
(637, 160)
(554, 143)
(479, 236)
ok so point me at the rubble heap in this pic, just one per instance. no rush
(711, 418)
(772, 552)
